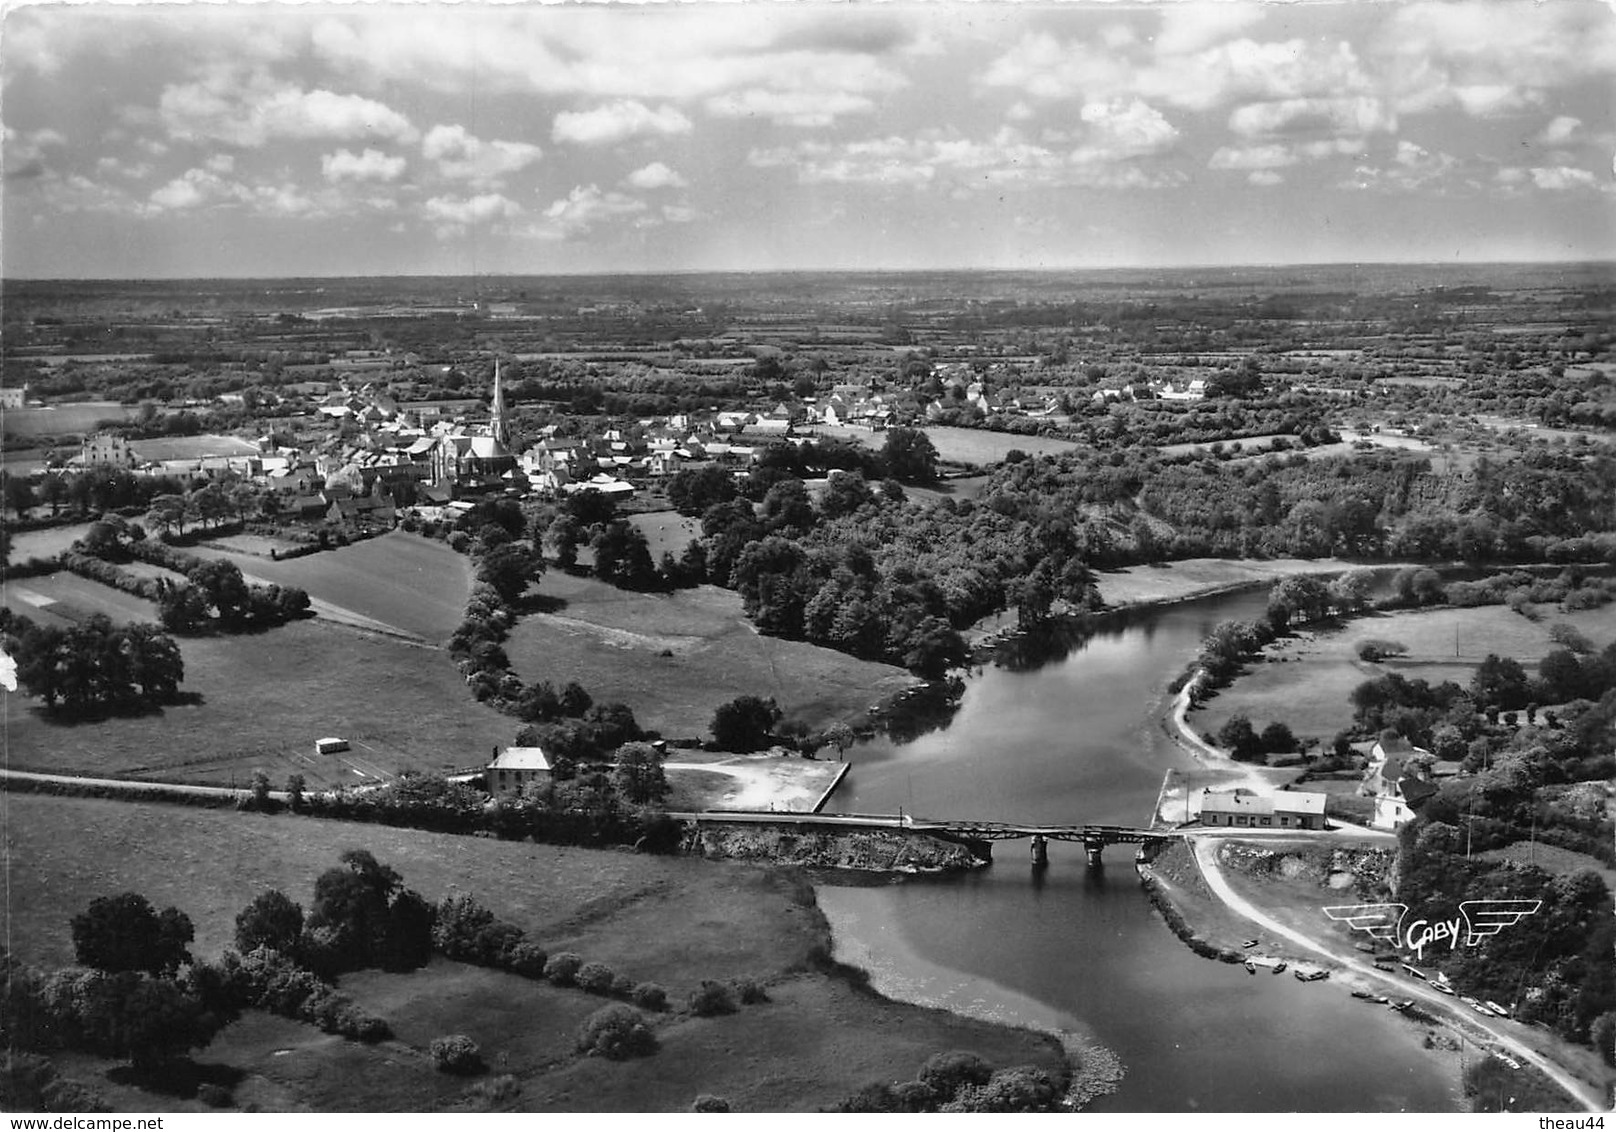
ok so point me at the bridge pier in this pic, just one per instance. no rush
(1093, 848)
(1040, 851)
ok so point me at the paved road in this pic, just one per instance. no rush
(1206, 856)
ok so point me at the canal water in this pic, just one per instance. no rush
(1070, 731)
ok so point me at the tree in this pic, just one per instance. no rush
(272, 921)
(638, 775)
(19, 494)
(745, 723)
(124, 933)
(845, 493)
(616, 1032)
(224, 589)
(368, 917)
(508, 569)
(170, 513)
(1500, 683)
(1241, 739)
(1297, 600)
(134, 1014)
(1277, 739)
(909, 456)
(623, 557)
(457, 1054)
(945, 1074)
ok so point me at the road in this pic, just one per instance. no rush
(1206, 856)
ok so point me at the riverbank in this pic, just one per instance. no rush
(670, 920)
(1237, 901)
(1166, 583)
(902, 974)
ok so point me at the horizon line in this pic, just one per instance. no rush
(691, 271)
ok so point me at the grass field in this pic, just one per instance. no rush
(963, 445)
(1176, 581)
(264, 700)
(613, 642)
(669, 920)
(47, 542)
(66, 599)
(415, 585)
(59, 420)
(1305, 681)
(666, 532)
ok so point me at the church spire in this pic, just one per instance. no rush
(496, 421)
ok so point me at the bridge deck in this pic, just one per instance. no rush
(974, 830)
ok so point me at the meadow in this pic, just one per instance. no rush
(61, 420)
(64, 599)
(963, 445)
(262, 700)
(1305, 680)
(674, 658)
(416, 586)
(674, 921)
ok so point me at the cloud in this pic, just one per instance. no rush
(371, 165)
(25, 152)
(461, 156)
(1492, 56)
(1120, 129)
(1007, 159)
(618, 121)
(655, 176)
(585, 208)
(804, 108)
(451, 216)
(1265, 177)
(1356, 116)
(1563, 178)
(1562, 129)
(251, 111)
(1281, 155)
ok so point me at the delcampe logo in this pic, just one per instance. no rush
(1477, 920)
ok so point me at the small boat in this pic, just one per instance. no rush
(1507, 1060)
(1402, 1004)
(1279, 968)
(1382, 1000)
(1367, 949)
(1251, 943)
(1251, 968)
(1312, 976)
(1415, 971)
(1440, 982)
(1476, 1006)
(1363, 994)
(1502, 1012)
(1384, 967)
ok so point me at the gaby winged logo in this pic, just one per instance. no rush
(1477, 920)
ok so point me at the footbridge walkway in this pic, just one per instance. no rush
(1094, 838)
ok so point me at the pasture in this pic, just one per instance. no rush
(962, 445)
(674, 658)
(666, 532)
(673, 921)
(398, 581)
(1305, 681)
(61, 420)
(66, 599)
(264, 699)
(47, 542)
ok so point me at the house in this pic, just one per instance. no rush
(1287, 809)
(1399, 778)
(516, 767)
(108, 450)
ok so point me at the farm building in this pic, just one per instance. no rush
(515, 767)
(1287, 809)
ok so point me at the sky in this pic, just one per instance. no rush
(263, 139)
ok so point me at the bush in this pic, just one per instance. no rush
(526, 959)
(458, 1054)
(616, 1032)
(945, 1074)
(750, 992)
(595, 978)
(711, 999)
(485, 1095)
(650, 996)
(709, 1103)
(1375, 651)
(562, 969)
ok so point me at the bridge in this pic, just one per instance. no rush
(1094, 838)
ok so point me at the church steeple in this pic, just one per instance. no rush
(496, 419)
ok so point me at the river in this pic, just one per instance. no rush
(1078, 738)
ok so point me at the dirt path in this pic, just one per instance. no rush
(1205, 849)
(1240, 775)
